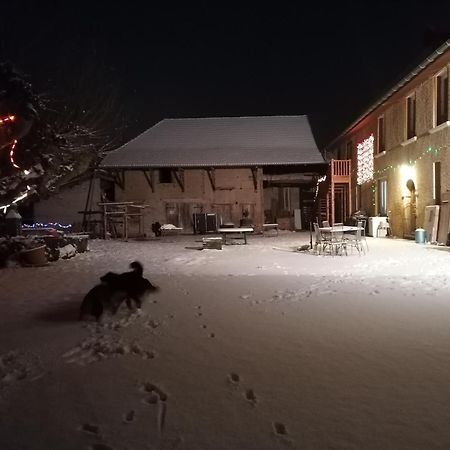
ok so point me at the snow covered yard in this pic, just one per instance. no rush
(250, 347)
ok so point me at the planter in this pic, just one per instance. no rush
(82, 244)
(34, 257)
(80, 241)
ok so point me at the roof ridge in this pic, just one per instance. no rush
(234, 117)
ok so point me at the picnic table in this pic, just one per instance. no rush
(235, 233)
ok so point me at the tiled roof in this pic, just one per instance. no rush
(219, 142)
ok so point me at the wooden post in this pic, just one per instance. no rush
(104, 222)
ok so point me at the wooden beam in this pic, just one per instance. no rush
(179, 176)
(149, 176)
(255, 177)
(212, 177)
(119, 178)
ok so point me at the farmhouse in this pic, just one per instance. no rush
(398, 151)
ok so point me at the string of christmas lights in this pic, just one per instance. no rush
(14, 143)
(7, 119)
(365, 160)
(17, 199)
(11, 154)
(429, 151)
(3, 121)
(47, 225)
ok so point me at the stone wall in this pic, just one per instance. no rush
(404, 159)
(234, 192)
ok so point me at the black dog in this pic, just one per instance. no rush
(100, 298)
(132, 283)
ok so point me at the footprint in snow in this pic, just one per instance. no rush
(250, 396)
(154, 391)
(279, 429)
(91, 429)
(152, 324)
(100, 447)
(129, 417)
(234, 378)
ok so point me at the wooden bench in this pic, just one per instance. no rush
(235, 233)
(270, 226)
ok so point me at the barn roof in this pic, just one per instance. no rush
(220, 142)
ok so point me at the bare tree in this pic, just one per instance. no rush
(52, 141)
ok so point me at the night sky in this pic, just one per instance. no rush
(329, 62)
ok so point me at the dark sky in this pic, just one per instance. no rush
(330, 62)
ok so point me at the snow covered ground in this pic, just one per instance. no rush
(254, 346)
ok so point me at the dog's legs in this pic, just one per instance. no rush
(128, 302)
(138, 302)
(97, 311)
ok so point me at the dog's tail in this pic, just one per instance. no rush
(137, 267)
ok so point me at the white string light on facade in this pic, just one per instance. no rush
(365, 160)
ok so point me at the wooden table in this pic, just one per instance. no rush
(236, 233)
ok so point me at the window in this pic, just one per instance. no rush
(437, 182)
(286, 199)
(348, 150)
(165, 176)
(441, 98)
(382, 197)
(411, 116)
(381, 135)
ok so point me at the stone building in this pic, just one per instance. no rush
(400, 149)
(263, 167)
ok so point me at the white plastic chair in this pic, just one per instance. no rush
(338, 242)
(355, 240)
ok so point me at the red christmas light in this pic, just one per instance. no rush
(7, 119)
(11, 154)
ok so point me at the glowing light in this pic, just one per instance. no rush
(7, 119)
(407, 172)
(319, 180)
(365, 160)
(47, 225)
(17, 199)
(26, 172)
(11, 154)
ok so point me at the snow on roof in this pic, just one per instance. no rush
(222, 141)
